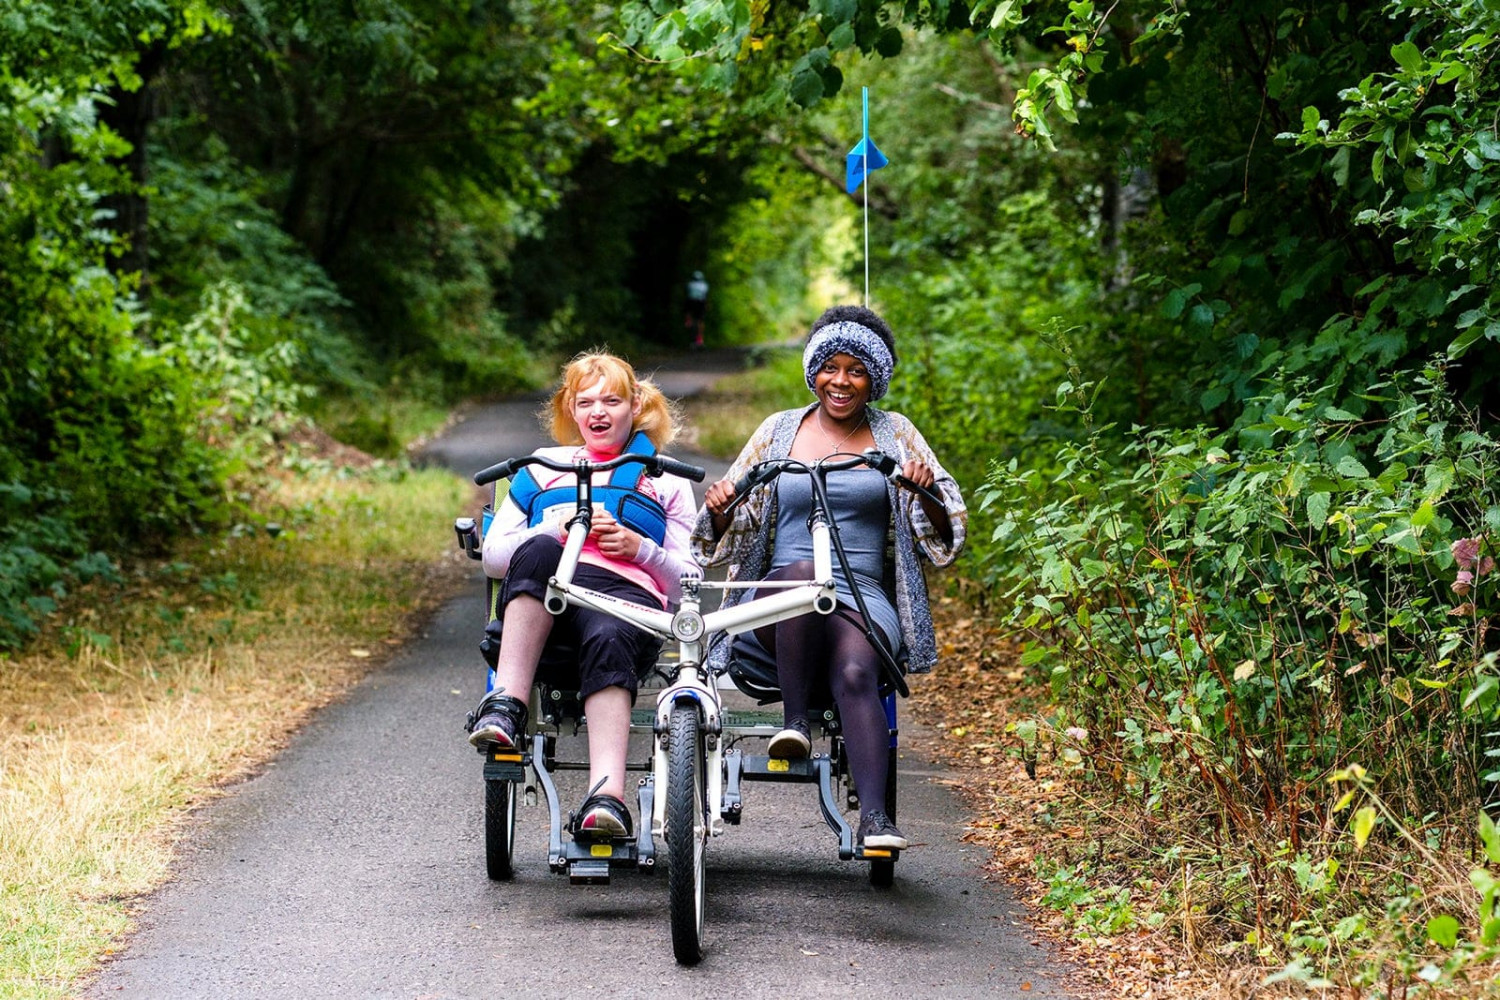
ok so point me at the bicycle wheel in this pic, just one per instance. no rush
(883, 872)
(687, 834)
(499, 827)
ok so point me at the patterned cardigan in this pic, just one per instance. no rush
(747, 543)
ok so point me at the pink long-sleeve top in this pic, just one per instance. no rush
(657, 568)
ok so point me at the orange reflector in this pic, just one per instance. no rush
(511, 757)
(875, 852)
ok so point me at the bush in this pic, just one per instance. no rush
(1248, 619)
(42, 552)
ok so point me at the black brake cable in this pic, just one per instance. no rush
(888, 665)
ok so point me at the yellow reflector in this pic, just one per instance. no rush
(601, 850)
(512, 757)
(777, 764)
(875, 852)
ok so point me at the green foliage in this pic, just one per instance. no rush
(42, 553)
(1253, 615)
(1426, 124)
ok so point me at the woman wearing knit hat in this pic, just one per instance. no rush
(848, 360)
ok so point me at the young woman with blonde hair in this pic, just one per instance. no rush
(637, 550)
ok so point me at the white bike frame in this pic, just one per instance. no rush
(689, 628)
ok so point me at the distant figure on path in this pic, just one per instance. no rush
(697, 306)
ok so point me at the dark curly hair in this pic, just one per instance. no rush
(862, 315)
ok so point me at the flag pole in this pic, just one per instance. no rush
(865, 147)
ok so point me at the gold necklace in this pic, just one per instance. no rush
(833, 449)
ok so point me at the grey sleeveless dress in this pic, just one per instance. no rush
(861, 508)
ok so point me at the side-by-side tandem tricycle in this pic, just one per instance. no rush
(702, 753)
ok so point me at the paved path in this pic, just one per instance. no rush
(352, 866)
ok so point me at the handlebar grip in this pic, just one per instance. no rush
(497, 471)
(887, 467)
(676, 468)
(925, 491)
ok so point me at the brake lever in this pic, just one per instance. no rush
(757, 475)
(887, 467)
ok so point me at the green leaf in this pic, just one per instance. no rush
(1317, 509)
(889, 42)
(1408, 55)
(1443, 930)
(1350, 467)
(1007, 15)
(1491, 837)
(807, 88)
(1177, 299)
(1364, 823)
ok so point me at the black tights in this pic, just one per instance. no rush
(808, 647)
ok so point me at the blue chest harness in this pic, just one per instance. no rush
(619, 496)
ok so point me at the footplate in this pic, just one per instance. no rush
(589, 871)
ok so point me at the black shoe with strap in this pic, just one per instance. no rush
(601, 818)
(499, 721)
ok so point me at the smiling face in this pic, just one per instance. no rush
(843, 386)
(605, 417)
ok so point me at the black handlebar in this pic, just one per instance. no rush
(763, 472)
(655, 465)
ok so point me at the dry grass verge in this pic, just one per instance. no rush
(140, 701)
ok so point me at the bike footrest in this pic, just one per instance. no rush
(589, 871)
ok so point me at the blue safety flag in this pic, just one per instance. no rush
(865, 156)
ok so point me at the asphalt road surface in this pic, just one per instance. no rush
(352, 865)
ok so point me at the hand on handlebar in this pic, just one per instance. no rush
(718, 497)
(614, 539)
(920, 473)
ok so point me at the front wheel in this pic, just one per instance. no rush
(686, 834)
(499, 827)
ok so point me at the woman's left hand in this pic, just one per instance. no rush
(614, 539)
(922, 475)
(919, 472)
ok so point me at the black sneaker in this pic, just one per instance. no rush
(876, 830)
(499, 722)
(792, 743)
(602, 817)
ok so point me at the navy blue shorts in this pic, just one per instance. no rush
(587, 646)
